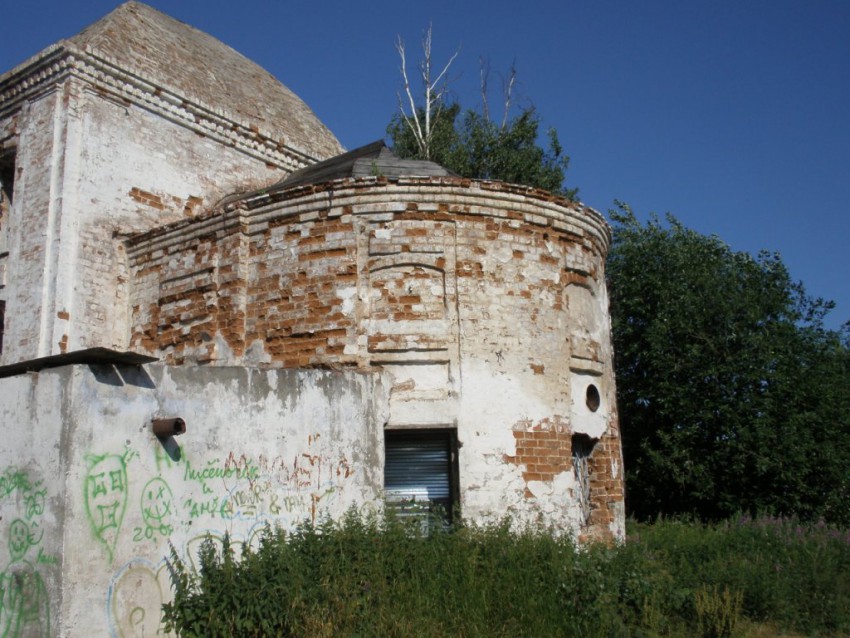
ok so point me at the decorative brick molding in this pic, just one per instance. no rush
(301, 273)
(48, 70)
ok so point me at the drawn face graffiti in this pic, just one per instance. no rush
(18, 539)
(24, 605)
(106, 498)
(35, 503)
(136, 598)
(156, 503)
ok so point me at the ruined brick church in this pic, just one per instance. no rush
(214, 319)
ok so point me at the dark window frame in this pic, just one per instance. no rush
(397, 461)
(582, 451)
(7, 177)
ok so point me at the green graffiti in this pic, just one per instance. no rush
(156, 503)
(210, 507)
(24, 604)
(215, 470)
(157, 511)
(106, 497)
(14, 481)
(44, 559)
(34, 503)
(18, 543)
(24, 607)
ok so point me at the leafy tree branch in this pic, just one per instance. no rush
(732, 394)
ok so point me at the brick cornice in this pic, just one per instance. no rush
(430, 196)
(58, 62)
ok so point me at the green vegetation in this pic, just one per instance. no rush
(431, 126)
(742, 578)
(732, 394)
(472, 145)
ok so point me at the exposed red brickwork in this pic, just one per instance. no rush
(407, 292)
(542, 449)
(295, 273)
(373, 272)
(192, 204)
(146, 198)
(606, 490)
(289, 284)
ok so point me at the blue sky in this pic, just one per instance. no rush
(734, 116)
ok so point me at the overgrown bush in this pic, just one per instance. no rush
(794, 575)
(371, 578)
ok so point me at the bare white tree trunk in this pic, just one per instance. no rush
(508, 84)
(507, 93)
(434, 93)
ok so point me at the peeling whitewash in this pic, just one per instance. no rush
(90, 498)
(298, 329)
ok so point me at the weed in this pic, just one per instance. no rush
(369, 577)
(717, 613)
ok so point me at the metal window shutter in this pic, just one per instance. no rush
(417, 469)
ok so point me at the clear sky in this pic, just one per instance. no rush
(734, 116)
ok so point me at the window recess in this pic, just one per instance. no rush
(420, 474)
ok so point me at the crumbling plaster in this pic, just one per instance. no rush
(107, 144)
(96, 498)
(294, 326)
(485, 302)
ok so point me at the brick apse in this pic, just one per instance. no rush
(337, 330)
(480, 300)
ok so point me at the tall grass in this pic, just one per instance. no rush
(794, 575)
(372, 578)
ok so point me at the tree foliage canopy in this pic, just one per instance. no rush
(733, 396)
(429, 126)
(472, 145)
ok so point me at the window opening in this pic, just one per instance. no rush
(582, 449)
(7, 179)
(420, 474)
(592, 398)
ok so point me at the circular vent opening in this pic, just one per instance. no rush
(592, 398)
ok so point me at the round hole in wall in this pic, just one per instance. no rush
(592, 398)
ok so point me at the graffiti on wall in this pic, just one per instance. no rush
(239, 487)
(136, 594)
(106, 494)
(157, 509)
(137, 505)
(24, 602)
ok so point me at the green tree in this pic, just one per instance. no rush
(732, 394)
(430, 126)
(472, 145)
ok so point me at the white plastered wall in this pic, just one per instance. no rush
(93, 169)
(91, 499)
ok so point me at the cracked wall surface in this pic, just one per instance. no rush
(295, 323)
(485, 303)
(91, 500)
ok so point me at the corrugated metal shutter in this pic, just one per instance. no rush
(418, 472)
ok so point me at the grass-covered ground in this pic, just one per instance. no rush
(756, 578)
